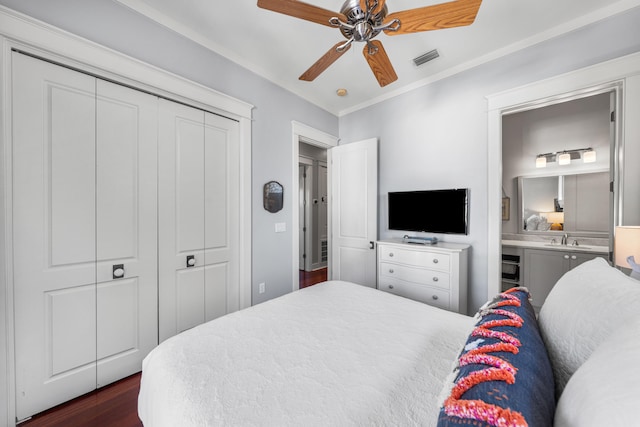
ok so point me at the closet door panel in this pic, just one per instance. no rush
(126, 159)
(189, 152)
(222, 233)
(118, 302)
(53, 233)
(72, 183)
(215, 292)
(70, 316)
(180, 216)
(189, 298)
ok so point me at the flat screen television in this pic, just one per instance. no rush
(430, 211)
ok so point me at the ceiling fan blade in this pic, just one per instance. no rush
(377, 9)
(379, 63)
(436, 17)
(301, 10)
(324, 62)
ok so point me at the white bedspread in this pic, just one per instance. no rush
(334, 354)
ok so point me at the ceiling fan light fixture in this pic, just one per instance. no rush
(341, 92)
(424, 58)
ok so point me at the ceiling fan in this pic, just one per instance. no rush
(363, 20)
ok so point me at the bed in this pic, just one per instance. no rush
(340, 354)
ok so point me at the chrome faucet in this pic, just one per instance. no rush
(564, 239)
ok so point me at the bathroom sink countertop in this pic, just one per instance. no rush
(556, 247)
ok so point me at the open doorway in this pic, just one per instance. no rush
(309, 144)
(312, 214)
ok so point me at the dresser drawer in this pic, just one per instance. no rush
(420, 258)
(432, 296)
(421, 276)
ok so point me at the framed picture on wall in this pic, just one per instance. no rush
(506, 208)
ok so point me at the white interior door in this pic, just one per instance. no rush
(54, 217)
(353, 176)
(126, 201)
(198, 217)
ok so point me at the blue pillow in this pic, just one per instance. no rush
(504, 373)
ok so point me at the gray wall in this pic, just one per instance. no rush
(436, 136)
(115, 26)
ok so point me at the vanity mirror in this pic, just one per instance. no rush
(576, 203)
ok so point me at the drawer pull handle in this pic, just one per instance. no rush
(390, 254)
(435, 297)
(574, 257)
(566, 257)
(435, 261)
(391, 270)
(435, 279)
(390, 286)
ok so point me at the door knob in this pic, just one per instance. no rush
(191, 260)
(372, 245)
(117, 271)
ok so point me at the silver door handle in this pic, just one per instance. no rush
(191, 260)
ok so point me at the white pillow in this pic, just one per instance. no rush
(585, 306)
(605, 390)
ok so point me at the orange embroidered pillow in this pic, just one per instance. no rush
(504, 375)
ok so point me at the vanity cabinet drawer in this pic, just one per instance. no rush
(420, 276)
(425, 294)
(432, 260)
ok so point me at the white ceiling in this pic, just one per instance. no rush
(280, 48)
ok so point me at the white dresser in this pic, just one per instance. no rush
(433, 274)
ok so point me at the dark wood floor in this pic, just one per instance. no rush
(308, 278)
(115, 405)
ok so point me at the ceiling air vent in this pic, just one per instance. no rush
(422, 59)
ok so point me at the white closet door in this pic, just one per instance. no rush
(126, 159)
(222, 216)
(54, 233)
(198, 217)
(181, 217)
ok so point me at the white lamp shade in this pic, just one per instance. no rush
(555, 217)
(626, 243)
(564, 159)
(541, 162)
(589, 156)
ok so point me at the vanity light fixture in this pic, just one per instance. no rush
(564, 157)
(589, 156)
